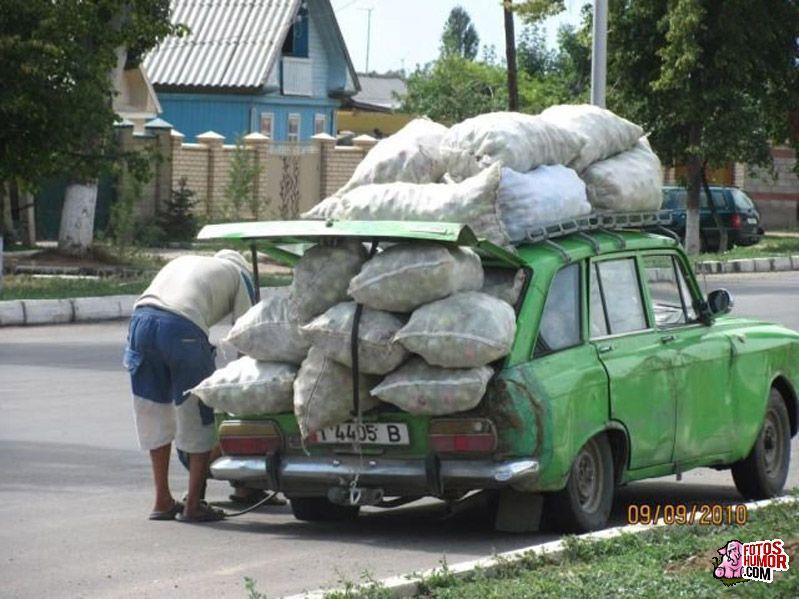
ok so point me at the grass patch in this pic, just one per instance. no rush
(668, 561)
(768, 247)
(27, 287)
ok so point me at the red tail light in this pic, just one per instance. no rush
(467, 435)
(735, 221)
(242, 437)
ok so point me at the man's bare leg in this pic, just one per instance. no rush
(198, 471)
(159, 457)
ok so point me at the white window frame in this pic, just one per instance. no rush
(320, 118)
(270, 116)
(294, 117)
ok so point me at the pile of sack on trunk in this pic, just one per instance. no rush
(432, 321)
(503, 173)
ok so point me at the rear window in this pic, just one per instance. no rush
(676, 199)
(742, 201)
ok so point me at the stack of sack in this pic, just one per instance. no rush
(503, 173)
(431, 323)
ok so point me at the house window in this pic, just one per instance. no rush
(268, 124)
(294, 127)
(320, 124)
(296, 43)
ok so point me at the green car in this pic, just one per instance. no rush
(621, 370)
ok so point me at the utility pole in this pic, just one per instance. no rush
(368, 35)
(599, 53)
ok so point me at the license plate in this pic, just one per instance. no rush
(751, 221)
(370, 433)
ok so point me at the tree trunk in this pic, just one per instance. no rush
(510, 56)
(6, 220)
(77, 218)
(692, 237)
(723, 237)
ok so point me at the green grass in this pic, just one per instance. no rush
(27, 287)
(670, 561)
(769, 246)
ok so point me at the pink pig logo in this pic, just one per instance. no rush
(729, 568)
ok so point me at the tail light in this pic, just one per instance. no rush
(735, 221)
(462, 435)
(244, 437)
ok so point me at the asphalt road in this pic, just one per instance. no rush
(75, 489)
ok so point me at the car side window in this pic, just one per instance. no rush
(621, 296)
(560, 321)
(688, 301)
(668, 302)
(597, 318)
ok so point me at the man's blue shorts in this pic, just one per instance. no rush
(166, 355)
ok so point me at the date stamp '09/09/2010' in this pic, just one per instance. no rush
(707, 514)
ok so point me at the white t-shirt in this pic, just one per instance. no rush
(203, 289)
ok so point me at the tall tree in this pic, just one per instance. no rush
(531, 12)
(532, 54)
(58, 62)
(460, 37)
(713, 80)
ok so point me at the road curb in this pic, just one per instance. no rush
(408, 585)
(768, 264)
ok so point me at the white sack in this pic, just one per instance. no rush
(472, 202)
(408, 275)
(378, 353)
(628, 182)
(504, 283)
(605, 133)
(462, 331)
(247, 386)
(518, 141)
(323, 393)
(410, 155)
(544, 195)
(270, 330)
(419, 388)
(322, 275)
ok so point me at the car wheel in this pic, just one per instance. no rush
(584, 504)
(320, 509)
(763, 472)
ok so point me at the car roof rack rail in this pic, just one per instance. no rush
(601, 221)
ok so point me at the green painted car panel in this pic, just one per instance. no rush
(673, 398)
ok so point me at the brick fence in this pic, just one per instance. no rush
(292, 176)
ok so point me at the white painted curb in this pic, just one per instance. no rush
(11, 313)
(407, 585)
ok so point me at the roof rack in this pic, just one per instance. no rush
(603, 222)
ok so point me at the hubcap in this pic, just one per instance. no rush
(588, 478)
(772, 445)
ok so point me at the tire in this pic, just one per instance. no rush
(762, 473)
(584, 503)
(320, 509)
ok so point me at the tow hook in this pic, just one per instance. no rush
(354, 495)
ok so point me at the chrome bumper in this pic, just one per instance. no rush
(315, 475)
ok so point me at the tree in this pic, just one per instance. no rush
(532, 54)
(459, 37)
(58, 62)
(177, 219)
(713, 80)
(531, 12)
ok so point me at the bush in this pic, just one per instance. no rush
(177, 221)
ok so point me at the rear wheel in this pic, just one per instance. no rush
(320, 509)
(763, 472)
(584, 504)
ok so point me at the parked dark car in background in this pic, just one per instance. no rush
(736, 210)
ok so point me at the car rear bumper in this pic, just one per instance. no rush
(310, 475)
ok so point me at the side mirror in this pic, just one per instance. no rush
(720, 302)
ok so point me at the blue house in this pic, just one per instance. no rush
(277, 67)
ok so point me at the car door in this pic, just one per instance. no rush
(638, 365)
(700, 357)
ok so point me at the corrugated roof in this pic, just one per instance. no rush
(378, 92)
(233, 43)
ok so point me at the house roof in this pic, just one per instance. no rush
(378, 93)
(231, 44)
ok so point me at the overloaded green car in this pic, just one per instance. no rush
(621, 370)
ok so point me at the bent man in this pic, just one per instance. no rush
(168, 352)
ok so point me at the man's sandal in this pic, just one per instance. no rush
(169, 514)
(205, 513)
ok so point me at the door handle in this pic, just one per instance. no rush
(603, 349)
(668, 338)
